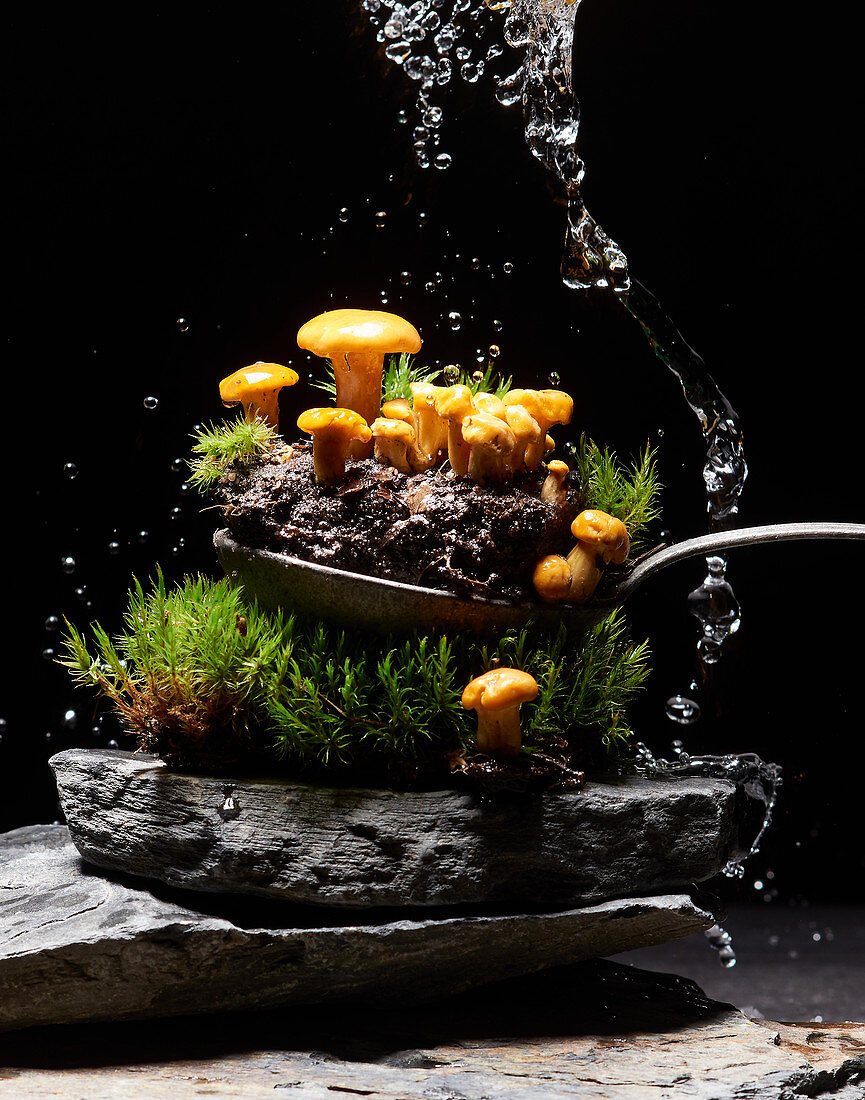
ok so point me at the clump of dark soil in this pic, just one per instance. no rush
(430, 529)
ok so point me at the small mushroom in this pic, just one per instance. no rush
(568, 580)
(526, 430)
(332, 431)
(548, 407)
(257, 388)
(491, 443)
(356, 342)
(454, 404)
(496, 696)
(432, 430)
(394, 439)
(553, 491)
(607, 535)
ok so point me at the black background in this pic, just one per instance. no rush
(166, 166)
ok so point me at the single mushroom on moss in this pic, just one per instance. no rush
(256, 388)
(394, 443)
(548, 407)
(496, 696)
(332, 431)
(356, 342)
(491, 443)
(454, 404)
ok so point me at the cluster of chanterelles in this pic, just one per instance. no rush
(484, 437)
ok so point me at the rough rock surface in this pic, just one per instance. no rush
(595, 1030)
(76, 945)
(362, 848)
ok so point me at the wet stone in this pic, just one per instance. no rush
(80, 945)
(361, 848)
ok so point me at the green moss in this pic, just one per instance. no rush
(219, 447)
(629, 491)
(401, 370)
(203, 678)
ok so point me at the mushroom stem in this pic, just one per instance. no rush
(499, 731)
(585, 574)
(358, 386)
(553, 491)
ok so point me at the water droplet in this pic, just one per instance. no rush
(143, 536)
(455, 320)
(443, 161)
(344, 214)
(452, 374)
(230, 808)
(472, 71)
(48, 654)
(52, 622)
(113, 745)
(497, 326)
(554, 378)
(405, 277)
(682, 710)
(494, 351)
(478, 375)
(508, 268)
(402, 117)
(68, 564)
(430, 286)
(182, 324)
(380, 219)
(70, 471)
(114, 548)
(150, 403)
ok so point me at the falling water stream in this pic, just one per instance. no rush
(437, 41)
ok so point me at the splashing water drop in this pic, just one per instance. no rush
(70, 471)
(68, 564)
(455, 320)
(682, 710)
(150, 403)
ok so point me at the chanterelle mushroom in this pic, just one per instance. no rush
(356, 342)
(454, 404)
(332, 431)
(607, 535)
(553, 490)
(548, 407)
(432, 429)
(394, 440)
(491, 443)
(496, 696)
(257, 388)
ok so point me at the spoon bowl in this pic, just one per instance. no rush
(371, 603)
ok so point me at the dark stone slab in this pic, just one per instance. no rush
(363, 848)
(77, 945)
(594, 1030)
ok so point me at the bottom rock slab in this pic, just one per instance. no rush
(77, 945)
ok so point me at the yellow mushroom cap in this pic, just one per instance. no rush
(351, 330)
(489, 403)
(388, 428)
(552, 578)
(607, 535)
(454, 402)
(546, 406)
(254, 382)
(342, 423)
(398, 409)
(499, 689)
(558, 468)
(482, 429)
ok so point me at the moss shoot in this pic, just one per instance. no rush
(208, 681)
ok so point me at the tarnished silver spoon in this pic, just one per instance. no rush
(370, 603)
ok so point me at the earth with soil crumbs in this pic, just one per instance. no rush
(431, 529)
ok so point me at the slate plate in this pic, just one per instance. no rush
(77, 945)
(364, 848)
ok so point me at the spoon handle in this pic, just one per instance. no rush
(727, 540)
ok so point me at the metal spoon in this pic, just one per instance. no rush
(370, 603)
